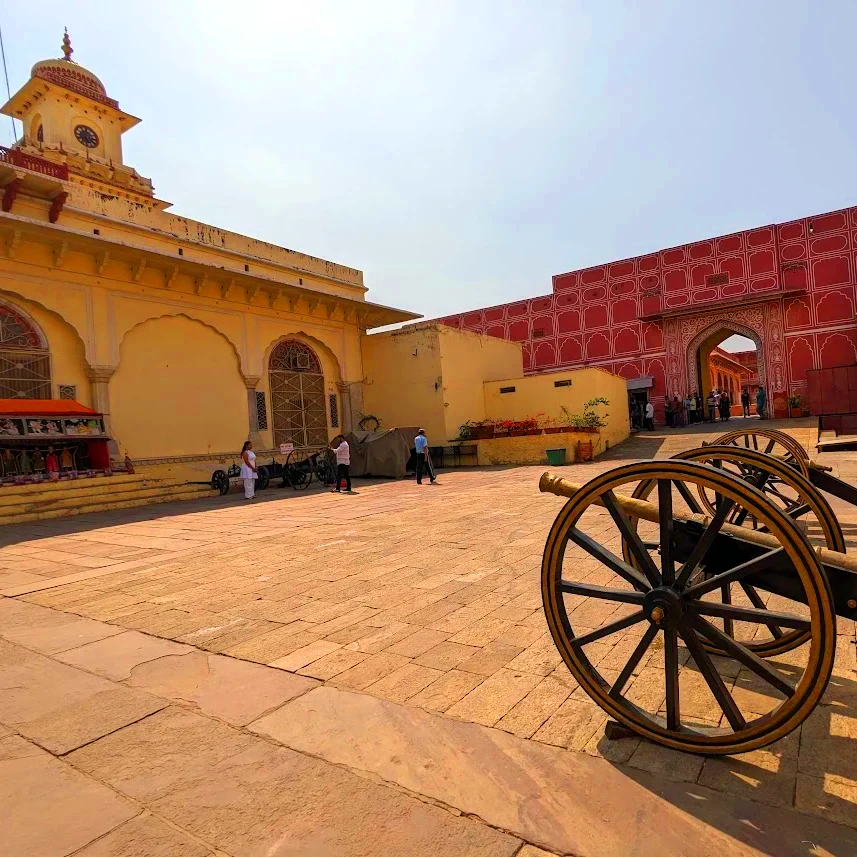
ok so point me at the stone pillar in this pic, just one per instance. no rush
(346, 416)
(252, 414)
(99, 378)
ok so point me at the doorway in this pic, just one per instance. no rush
(728, 365)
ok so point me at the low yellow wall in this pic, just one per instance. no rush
(538, 394)
(533, 449)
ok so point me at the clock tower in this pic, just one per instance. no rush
(69, 118)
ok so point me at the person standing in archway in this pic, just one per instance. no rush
(761, 401)
(650, 416)
(248, 470)
(745, 402)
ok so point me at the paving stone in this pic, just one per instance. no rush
(369, 671)
(490, 658)
(116, 657)
(333, 664)
(535, 708)
(766, 775)
(50, 809)
(305, 655)
(572, 725)
(60, 707)
(540, 658)
(404, 682)
(828, 743)
(488, 702)
(566, 803)
(482, 632)
(272, 645)
(382, 638)
(247, 797)
(828, 797)
(668, 763)
(235, 691)
(446, 690)
(146, 836)
(48, 631)
(445, 656)
(418, 643)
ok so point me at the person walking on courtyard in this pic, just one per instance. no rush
(725, 406)
(745, 402)
(343, 463)
(668, 412)
(423, 457)
(700, 416)
(688, 409)
(761, 401)
(711, 402)
(248, 470)
(650, 416)
(678, 412)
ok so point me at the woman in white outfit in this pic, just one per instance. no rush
(248, 470)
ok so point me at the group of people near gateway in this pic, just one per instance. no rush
(717, 405)
(339, 445)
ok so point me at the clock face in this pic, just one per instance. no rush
(85, 135)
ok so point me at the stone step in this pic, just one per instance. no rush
(13, 495)
(29, 517)
(73, 500)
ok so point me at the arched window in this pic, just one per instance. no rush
(25, 364)
(298, 412)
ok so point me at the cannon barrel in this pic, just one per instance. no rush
(550, 483)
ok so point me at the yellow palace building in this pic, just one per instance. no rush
(188, 338)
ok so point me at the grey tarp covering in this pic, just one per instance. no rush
(381, 453)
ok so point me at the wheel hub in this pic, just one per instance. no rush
(663, 607)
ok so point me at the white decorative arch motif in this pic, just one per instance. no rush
(706, 326)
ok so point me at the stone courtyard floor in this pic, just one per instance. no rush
(310, 674)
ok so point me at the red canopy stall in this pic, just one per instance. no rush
(49, 439)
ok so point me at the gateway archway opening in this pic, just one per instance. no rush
(728, 363)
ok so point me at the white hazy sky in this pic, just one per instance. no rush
(462, 153)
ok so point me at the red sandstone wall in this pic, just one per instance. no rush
(612, 315)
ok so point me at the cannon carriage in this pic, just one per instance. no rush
(297, 470)
(695, 599)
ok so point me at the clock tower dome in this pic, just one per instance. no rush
(69, 118)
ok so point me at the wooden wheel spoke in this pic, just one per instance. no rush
(632, 539)
(636, 657)
(759, 563)
(665, 515)
(613, 562)
(726, 598)
(799, 511)
(610, 628)
(688, 498)
(744, 656)
(714, 681)
(724, 507)
(671, 668)
(756, 601)
(590, 590)
(746, 614)
(770, 446)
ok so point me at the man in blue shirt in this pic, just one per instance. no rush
(423, 457)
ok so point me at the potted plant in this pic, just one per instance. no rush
(523, 428)
(589, 420)
(794, 406)
(481, 430)
(502, 428)
(551, 425)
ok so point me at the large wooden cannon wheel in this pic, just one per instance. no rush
(625, 630)
(784, 487)
(770, 442)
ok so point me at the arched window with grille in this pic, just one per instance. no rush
(298, 413)
(25, 363)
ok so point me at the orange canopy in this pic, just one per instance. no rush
(44, 408)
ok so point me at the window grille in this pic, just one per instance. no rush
(334, 411)
(68, 391)
(261, 412)
(566, 383)
(507, 389)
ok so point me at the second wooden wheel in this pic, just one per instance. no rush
(770, 442)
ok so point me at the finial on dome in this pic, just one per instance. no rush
(66, 46)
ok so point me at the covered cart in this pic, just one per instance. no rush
(381, 453)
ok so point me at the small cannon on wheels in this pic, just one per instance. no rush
(222, 479)
(646, 590)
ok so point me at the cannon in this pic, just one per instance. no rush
(706, 632)
(297, 471)
(785, 447)
(222, 479)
